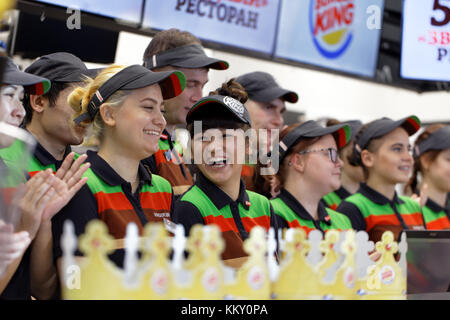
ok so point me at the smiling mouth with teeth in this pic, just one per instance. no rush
(217, 162)
(152, 133)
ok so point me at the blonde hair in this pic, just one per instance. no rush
(80, 97)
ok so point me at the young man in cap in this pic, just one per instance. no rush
(49, 117)
(266, 106)
(178, 50)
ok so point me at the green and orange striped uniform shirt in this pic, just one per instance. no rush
(334, 198)
(294, 215)
(372, 212)
(435, 216)
(205, 203)
(108, 197)
(40, 160)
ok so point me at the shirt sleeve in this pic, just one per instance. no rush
(352, 212)
(81, 209)
(186, 214)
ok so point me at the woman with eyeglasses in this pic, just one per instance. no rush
(382, 149)
(309, 169)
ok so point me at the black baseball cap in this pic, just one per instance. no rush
(311, 129)
(262, 87)
(32, 84)
(439, 140)
(383, 126)
(188, 56)
(172, 83)
(61, 67)
(235, 107)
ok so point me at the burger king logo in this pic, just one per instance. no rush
(331, 24)
(387, 275)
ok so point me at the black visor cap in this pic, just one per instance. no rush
(311, 129)
(233, 106)
(383, 126)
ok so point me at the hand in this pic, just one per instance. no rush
(423, 197)
(68, 180)
(12, 245)
(37, 193)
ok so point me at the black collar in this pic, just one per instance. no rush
(299, 210)
(342, 193)
(377, 197)
(433, 206)
(219, 198)
(46, 159)
(102, 169)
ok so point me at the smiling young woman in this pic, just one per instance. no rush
(432, 161)
(216, 124)
(309, 169)
(125, 107)
(382, 149)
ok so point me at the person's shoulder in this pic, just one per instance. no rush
(348, 204)
(257, 195)
(339, 218)
(162, 184)
(410, 202)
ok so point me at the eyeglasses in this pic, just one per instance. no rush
(332, 153)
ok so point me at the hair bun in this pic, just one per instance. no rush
(232, 89)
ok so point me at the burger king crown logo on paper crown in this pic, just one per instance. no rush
(336, 267)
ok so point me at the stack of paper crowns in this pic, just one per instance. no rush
(336, 267)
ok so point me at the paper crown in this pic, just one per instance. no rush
(336, 267)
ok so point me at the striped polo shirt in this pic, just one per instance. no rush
(334, 198)
(247, 174)
(294, 215)
(41, 159)
(168, 163)
(108, 197)
(435, 216)
(205, 203)
(372, 212)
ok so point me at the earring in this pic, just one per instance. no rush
(289, 164)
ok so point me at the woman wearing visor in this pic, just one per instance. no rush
(219, 196)
(382, 149)
(26, 269)
(124, 106)
(432, 160)
(309, 169)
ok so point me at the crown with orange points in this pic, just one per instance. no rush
(337, 266)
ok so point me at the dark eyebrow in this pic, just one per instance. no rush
(400, 144)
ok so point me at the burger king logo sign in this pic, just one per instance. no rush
(331, 24)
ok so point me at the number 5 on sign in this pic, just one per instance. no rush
(438, 6)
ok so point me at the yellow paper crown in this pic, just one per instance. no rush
(336, 267)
